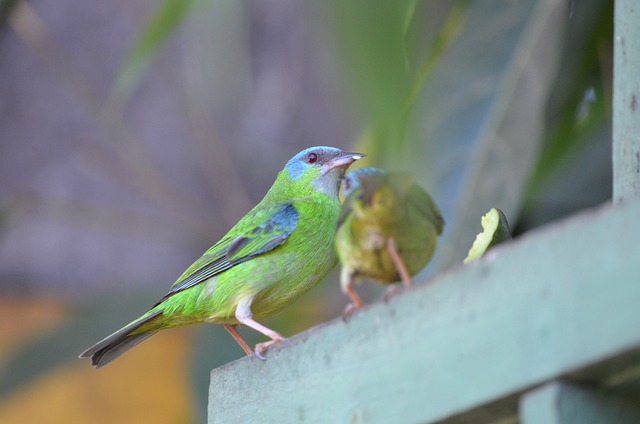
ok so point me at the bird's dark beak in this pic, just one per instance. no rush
(344, 159)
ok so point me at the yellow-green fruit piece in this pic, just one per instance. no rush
(495, 230)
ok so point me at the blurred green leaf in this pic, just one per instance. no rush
(374, 38)
(161, 24)
(478, 125)
(391, 47)
(449, 30)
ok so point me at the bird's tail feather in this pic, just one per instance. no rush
(119, 342)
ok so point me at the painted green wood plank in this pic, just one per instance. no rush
(552, 302)
(567, 403)
(626, 100)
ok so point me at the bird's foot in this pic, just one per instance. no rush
(349, 310)
(390, 292)
(261, 348)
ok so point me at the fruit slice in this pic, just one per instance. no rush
(495, 230)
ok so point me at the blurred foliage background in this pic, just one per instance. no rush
(134, 134)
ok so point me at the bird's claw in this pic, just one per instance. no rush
(261, 348)
(349, 310)
(259, 355)
(390, 292)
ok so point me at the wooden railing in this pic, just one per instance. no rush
(481, 343)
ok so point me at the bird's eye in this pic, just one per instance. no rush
(312, 158)
(347, 184)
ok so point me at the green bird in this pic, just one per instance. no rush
(387, 230)
(282, 248)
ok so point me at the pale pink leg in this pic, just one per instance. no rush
(399, 263)
(347, 283)
(244, 315)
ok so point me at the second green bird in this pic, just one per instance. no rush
(274, 254)
(387, 229)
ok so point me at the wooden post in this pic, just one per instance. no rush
(626, 100)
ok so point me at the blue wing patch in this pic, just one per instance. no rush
(264, 235)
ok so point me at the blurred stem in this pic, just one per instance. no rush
(448, 33)
(162, 23)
